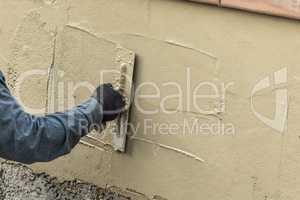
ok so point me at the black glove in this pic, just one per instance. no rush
(112, 101)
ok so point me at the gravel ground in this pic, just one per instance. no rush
(18, 182)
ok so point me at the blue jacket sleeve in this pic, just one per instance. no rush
(27, 138)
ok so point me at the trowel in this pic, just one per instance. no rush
(123, 84)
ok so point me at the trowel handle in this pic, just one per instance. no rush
(121, 84)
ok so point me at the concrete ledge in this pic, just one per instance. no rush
(214, 2)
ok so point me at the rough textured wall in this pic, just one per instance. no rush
(178, 41)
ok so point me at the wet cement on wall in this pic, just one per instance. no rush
(169, 37)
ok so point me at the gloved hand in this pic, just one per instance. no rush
(112, 101)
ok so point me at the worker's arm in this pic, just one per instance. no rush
(27, 138)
